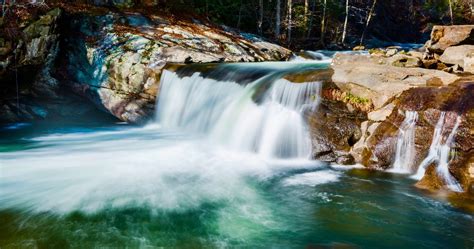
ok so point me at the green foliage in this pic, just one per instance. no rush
(351, 98)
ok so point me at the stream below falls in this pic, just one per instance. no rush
(215, 170)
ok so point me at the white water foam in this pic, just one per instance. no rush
(141, 167)
(229, 114)
(440, 153)
(405, 151)
(312, 178)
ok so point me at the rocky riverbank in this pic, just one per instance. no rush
(112, 57)
(62, 60)
(436, 84)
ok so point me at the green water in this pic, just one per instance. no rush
(96, 186)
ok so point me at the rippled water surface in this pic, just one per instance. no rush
(79, 186)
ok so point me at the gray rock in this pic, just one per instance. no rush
(456, 55)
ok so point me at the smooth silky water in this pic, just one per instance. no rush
(206, 175)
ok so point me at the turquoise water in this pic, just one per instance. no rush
(116, 186)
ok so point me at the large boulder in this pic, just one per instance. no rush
(460, 56)
(334, 129)
(115, 59)
(375, 79)
(443, 37)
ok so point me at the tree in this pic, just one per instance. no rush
(278, 19)
(451, 11)
(306, 11)
(289, 19)
(260, 18)
(323, 21)
(346, 19)
(369, 17)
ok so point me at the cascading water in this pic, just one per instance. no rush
(440, 153)
(264, 116)
(405, 153)
(116, 186)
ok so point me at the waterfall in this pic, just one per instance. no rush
(405, 153)
(440, 153)
(264, 116)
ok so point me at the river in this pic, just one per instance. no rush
(225, 164)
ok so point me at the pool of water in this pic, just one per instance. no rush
(109, 186)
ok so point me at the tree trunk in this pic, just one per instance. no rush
(323, 22)
(278, 19)
(369, 17)
(289, 19)
(311, 17)
(451, 10)
(306, 11)
(260, 17)
(344, 32)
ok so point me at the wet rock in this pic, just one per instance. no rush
(334, 130)
(456, 100)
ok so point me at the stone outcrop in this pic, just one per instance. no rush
(116, 59)
(455, 100)
(28, 48)
(375, 79)
(443, 37)
(460, 56)
(393, 86)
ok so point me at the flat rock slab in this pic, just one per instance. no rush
(372, 79)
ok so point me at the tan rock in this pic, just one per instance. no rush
(360, 149)
(443, 37)
(372, 79)
(469, 63)
(401, 60)
(456, 55)
(382, 113)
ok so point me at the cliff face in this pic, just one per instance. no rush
(437, 90)
(115, 59)
(28, 47)
(109, 56)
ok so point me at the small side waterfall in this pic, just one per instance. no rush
(405, 153)
(264, 116)
(440, 153)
